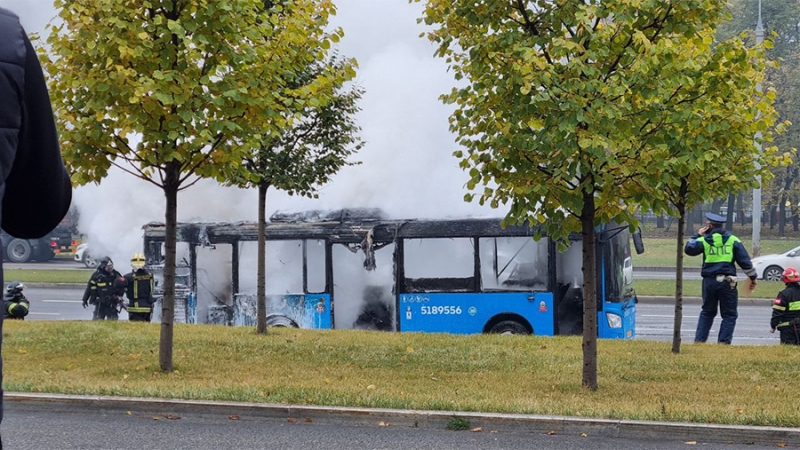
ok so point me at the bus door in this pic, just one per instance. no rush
(617, 317)
(297, 285)
(468, 285)
(363, 281)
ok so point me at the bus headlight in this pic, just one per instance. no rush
(614, 320)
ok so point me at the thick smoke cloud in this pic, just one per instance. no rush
(407, 165)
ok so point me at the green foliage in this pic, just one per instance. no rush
(587, 104)
(322, 136)
(177, 83)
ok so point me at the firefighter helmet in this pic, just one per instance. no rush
(137, 262)
(106, 264)
(15, 287)
(790, 275)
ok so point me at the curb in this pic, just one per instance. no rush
(668, 299)
(637, 429)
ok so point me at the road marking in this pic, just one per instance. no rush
(44, 314)
(59, 301)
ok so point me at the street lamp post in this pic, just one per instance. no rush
(757, 190)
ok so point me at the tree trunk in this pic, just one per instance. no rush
(171, 184)
(729, 222)
(660, 221)
(782, 217)
(589, 294)
(261, 291)
(740, 207)
(676, 328)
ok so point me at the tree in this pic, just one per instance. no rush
(708, 145)
(780, 19)
(563, 105)
(305, 155)
(171, 90)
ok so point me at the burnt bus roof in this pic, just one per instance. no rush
(204, 233)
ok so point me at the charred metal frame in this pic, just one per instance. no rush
(365, 234)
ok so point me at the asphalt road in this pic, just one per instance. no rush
(35, 426)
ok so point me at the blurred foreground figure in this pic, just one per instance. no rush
(34, 184)
(786, 309)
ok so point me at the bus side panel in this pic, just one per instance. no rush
(307, 311)
(468, 313)
(625, 310)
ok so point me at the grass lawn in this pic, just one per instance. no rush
(660, 252)
(490, 373)
(47, 276)
(693, 288)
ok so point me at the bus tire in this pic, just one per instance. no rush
(279, 320)
(19, 251)
(509, 327)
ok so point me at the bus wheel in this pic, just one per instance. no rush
(509, 327)
(279, 320)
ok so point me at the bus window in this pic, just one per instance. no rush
(363, 298)
(284, 267)
(315, 265)
(513, 264)
(439, 264)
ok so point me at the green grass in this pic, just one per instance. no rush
(640, 380)
(47, 276)
(660, 252)
(693, 288)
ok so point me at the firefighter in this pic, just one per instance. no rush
(139, 289)
(15, 305)
(102, 292)
(786, 309)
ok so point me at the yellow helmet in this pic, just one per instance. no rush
(137, 262)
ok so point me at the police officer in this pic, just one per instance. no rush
(786, 309)
(15, 305)
(139, 286)
(102, 292)
(720, 249)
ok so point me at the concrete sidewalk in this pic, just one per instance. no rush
(635, 429)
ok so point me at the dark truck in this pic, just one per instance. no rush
(26, 250)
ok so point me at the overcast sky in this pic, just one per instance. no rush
(407, 165)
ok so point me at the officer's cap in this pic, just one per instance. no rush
(715, 218)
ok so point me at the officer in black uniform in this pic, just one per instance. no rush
(139, 289)
(786, 309)
(720, 249)
(15, 304)
(103, 293)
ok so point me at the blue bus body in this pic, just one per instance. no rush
(450, 276)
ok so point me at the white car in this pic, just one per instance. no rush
(82, 256)
(770, 267)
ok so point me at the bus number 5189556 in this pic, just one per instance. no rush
(441, 310)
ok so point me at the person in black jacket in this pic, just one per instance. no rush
(139, 285)
(786, 309)
(15, 304)
(34, 184)
(104, 292)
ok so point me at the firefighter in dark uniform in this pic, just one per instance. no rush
(15, 305)
(720, 249)
(102, 292)
(786, 309)
(139, 288)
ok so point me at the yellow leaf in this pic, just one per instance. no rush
(23, 351)
(690, 442)
(409, 349)
(477, 429)
(383, 424)
(740, 411)
(125, 377)
(584, 434)
(371, 387)
(327, 380)
(128, 413)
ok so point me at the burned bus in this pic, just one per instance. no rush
(357, 269)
